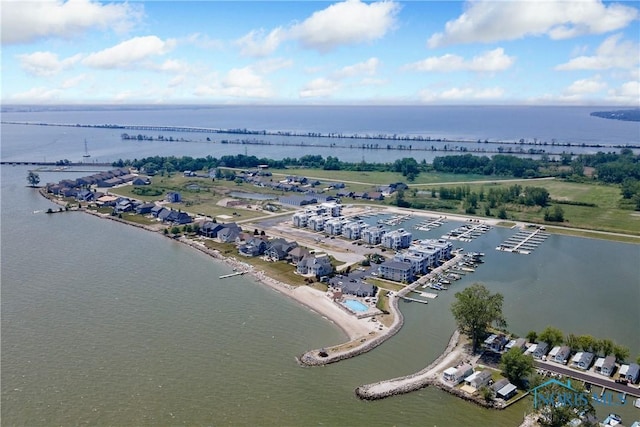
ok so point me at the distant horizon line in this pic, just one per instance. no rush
(151, 104)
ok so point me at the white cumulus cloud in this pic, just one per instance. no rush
(456, 94)
(586, 86)
(45, 64)
(26, 21)
(612, 53)
(319, 88)
(488, 21)
(344, 23)
(490, 61)
(365, 68)
(348, 22)
(129, 52)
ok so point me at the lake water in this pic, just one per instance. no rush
(105, 324)
(562, 124)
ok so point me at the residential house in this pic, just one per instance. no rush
(499, 384)
(396, 271)
(178, 217)
(541, 350)
(632, 373)
(173, 197)
(141, 181)
(359, 289)
(605, 365)
(562, 355)
(155, 211)
(85, 196)
(582, 360)
(507, 392)
(279, 249)
(520, 343)
(123, 205)
(496, 342)
(145, 208)
(456, 374)
(478, 378)
(210, 228)
(254, 247)
(297, 254)
(315, 265)
(229, 233)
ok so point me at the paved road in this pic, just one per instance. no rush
(594, 379)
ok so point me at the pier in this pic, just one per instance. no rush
(237, 273)
(414, 300)
(428, 225)
(524, 242)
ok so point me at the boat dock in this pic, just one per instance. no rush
(395, 220)
(430, 224)
(467, 232)
(237, 273)
(414, 300)
(524, 242)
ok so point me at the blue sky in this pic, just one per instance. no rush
(552, 52)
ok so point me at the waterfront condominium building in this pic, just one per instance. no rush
(397, 239)
(300, 219)
(396, 271)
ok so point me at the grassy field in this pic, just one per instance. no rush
(607, 213)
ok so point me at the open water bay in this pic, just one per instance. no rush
(106, 324)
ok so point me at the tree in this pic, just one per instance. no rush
(516, 365)
(475, 309)
(552, 336)
(607, 346)
(621, 352)
(532, 336)
(572, 342)
(33, 178)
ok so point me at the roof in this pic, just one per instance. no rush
(509, 388)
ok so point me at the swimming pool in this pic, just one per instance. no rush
(355, 305)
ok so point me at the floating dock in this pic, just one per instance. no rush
(524, 242)
(429, 224)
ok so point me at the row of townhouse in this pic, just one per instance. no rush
(70, 187)
(418, 259)
(316, 216)
(584, 360)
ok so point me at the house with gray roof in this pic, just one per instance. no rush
(254, 247)
(145, 208)
(631, 372)
(456, 374)
(359, 289)
(210, 228)
(605, 365)
(297, 254)
(279, 249)
(478, 378)
(582, 360)
(315, 265)
(229, 233)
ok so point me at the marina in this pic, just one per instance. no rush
(524, 242)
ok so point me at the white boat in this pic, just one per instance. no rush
(636, 403)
